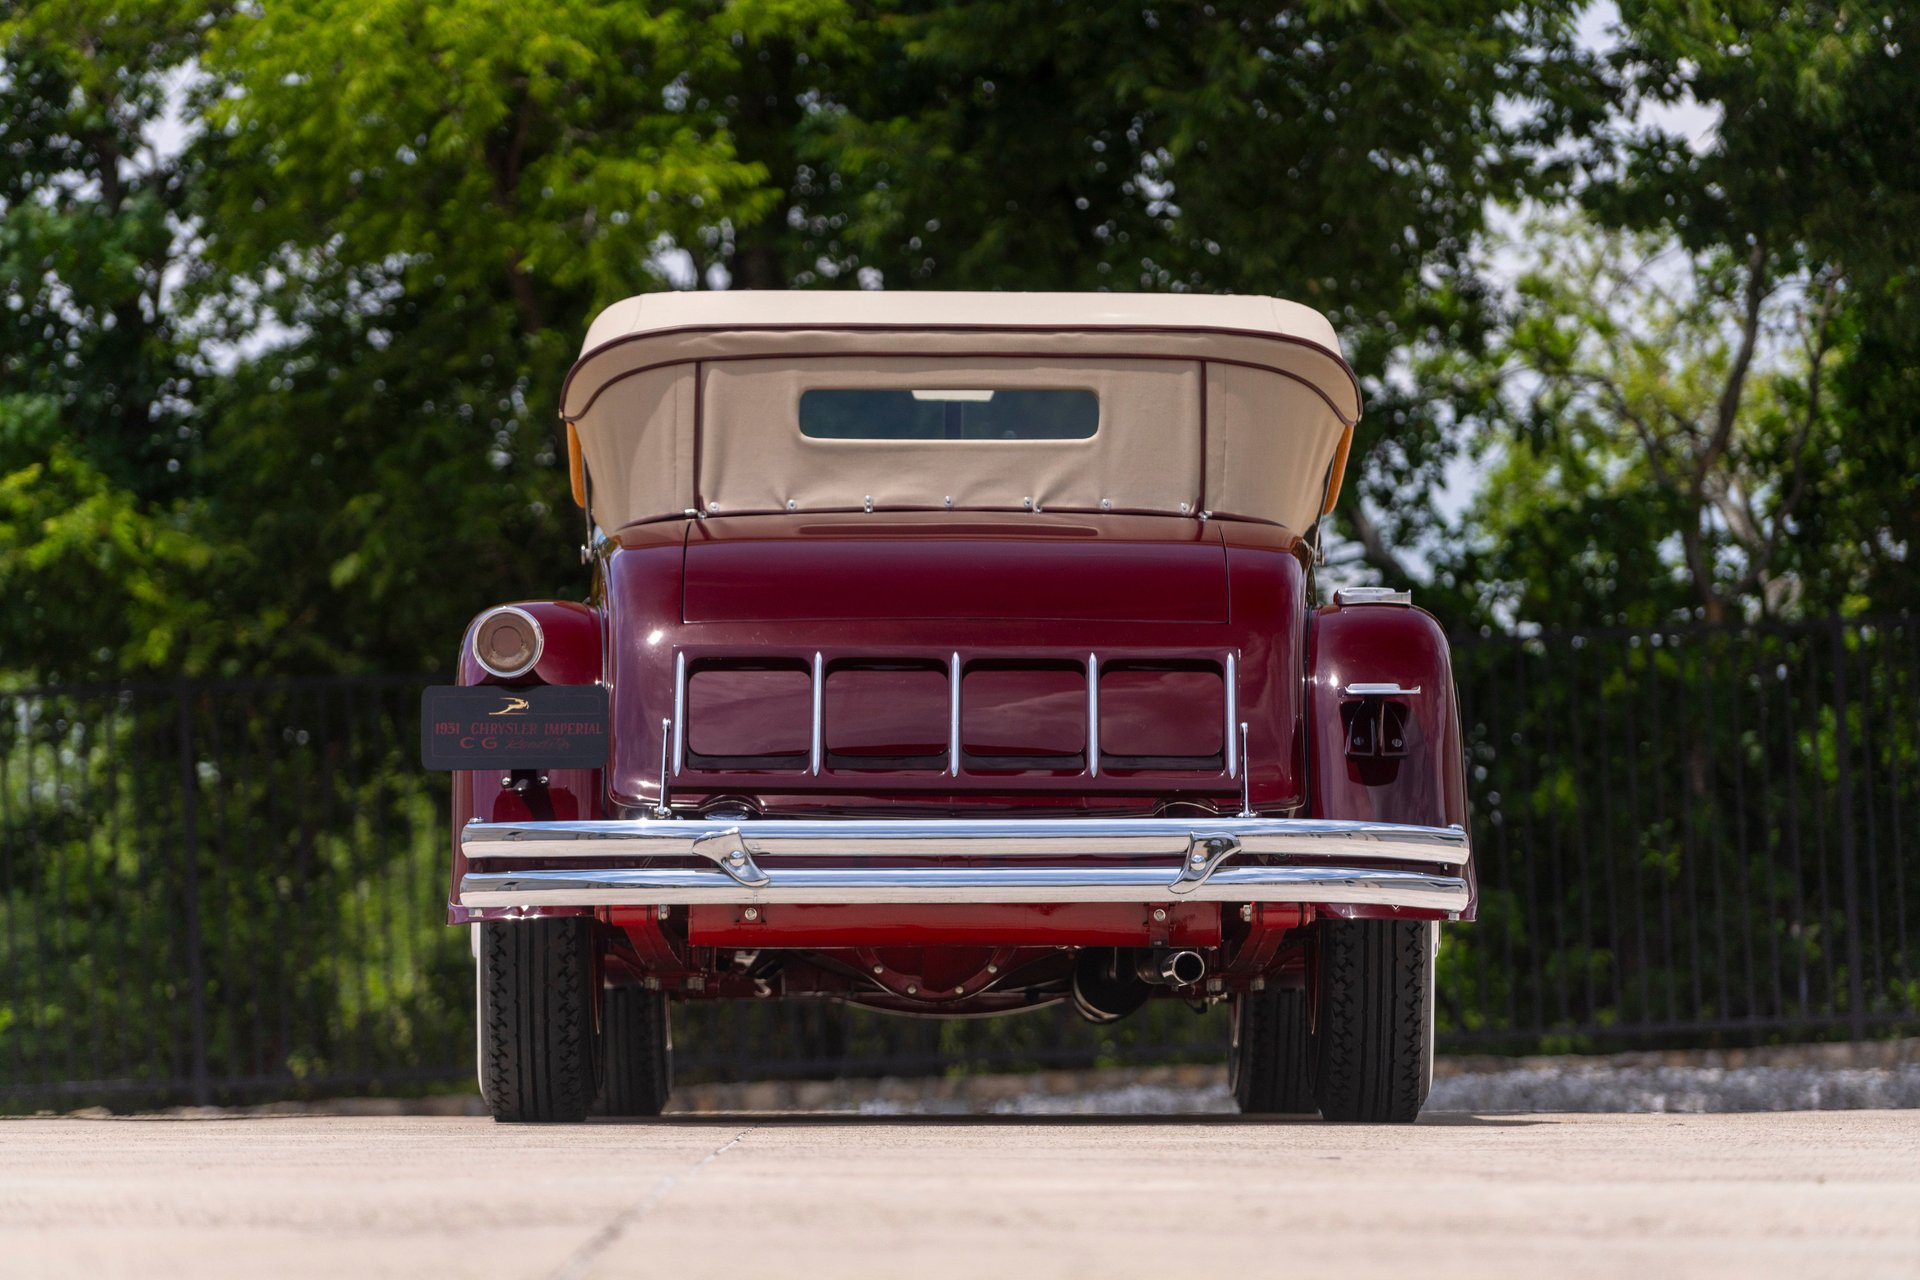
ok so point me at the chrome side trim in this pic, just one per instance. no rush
(819, 695)
(1093, 715)
(1378, 691)
(1233, 718)
(621, 887)
(953, 729)
(679, 712)
(1372, 595)
(1165, 841)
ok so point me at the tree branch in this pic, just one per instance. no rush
(504, 169)
(1819, 343)
(1731, 394)
(525, 297)
(1649, 439)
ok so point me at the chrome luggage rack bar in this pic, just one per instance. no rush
(816, 662)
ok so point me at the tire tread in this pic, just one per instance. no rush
(1372, 1020)
(637, 1061)
(1272, 1067)
(537, 1015)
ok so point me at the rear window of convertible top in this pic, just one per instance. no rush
(949, 414)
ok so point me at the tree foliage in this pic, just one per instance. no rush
(1810, 175)
(1336, 153)
(99, 376)
(367, 265)
(291, 288)
(1650, 395)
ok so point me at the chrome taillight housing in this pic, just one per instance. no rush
(507, 641)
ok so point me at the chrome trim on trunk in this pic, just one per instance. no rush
(1093, 715)
(679, 712)
(953, 732)
(1233, 717)
(819, 693)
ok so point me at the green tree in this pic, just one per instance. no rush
(1811, 170)
(432, 202)
(1338, 153)
(429, 204)
(1640, 395)
(1677, 390)
(102, 366)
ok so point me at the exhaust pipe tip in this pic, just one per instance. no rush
(1183, 968)
(1174, 968)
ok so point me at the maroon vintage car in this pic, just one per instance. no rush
(953, 654)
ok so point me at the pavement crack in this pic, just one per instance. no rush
(576, 1265)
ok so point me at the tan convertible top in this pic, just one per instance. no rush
(1241, 406)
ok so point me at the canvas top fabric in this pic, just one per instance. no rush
(1240, 407)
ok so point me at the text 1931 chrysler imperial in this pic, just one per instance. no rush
(954, 654)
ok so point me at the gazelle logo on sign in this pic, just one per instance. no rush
(536, 727)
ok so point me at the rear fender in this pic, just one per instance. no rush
(572, 654)
(1384, 756)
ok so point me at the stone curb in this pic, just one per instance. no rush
(985, 1092)
(1852, 1055)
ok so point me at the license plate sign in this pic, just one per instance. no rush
(498, 727)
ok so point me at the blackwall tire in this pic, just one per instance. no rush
(538, 1050)
(1270, 1066)
(636, 1052)
(1374, 1033)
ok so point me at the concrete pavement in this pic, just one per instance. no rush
(795, 1195)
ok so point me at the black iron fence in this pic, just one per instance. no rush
(221, 888)
(1690, 833)
(225, 890)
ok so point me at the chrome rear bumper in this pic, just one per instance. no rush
(964, 860)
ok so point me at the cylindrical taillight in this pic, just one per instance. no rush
(507, 641)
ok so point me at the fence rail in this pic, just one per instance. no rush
(233, 889)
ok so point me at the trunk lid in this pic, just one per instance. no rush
(941, 565)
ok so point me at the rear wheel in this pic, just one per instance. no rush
(636, 1053)
(1270, 1065)
(1375, 1030)
(537, 1016)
